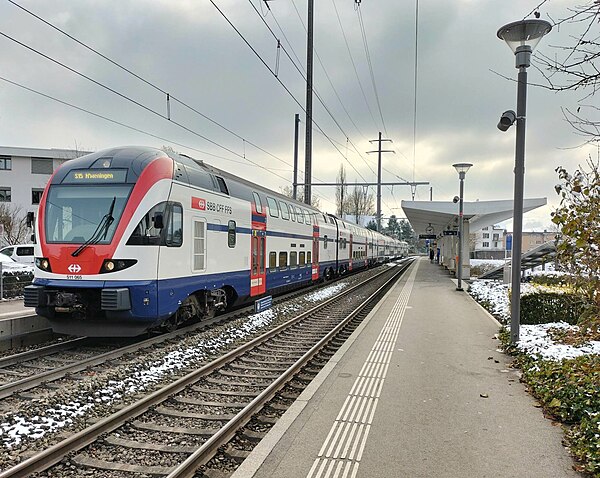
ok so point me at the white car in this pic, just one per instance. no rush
(10, 265)
(19, 252)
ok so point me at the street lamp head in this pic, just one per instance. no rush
(462, 168)
(522, 37)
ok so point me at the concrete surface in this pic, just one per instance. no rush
(438, 401)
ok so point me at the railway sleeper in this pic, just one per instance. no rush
(205, 403)
(171, 412)
(112, 440)
(207, 432)
(232, 393)
(252, 436)
(236, 455)
(89, 462)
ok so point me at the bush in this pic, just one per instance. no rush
(546, 307)
(560, 280)
(585, 445)
(570, 391)
(13, 283)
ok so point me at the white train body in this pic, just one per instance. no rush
(131, 239)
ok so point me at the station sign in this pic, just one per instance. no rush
(509, 242)
(427, 236)
(263, 304)
(450, 233)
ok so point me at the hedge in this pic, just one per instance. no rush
(546, 307)
(13, 283)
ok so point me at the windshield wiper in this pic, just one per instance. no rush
(101, 228)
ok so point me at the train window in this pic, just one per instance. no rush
(283, 260)
(273, 207)
(257, 203)
(306, 217)
(254, 256)
(292, 212)
(145, 234)
(284, 210)
(200, 178)
(272, 260)
(198, 262)
(302, 258)
(308, 261)
(261, 254)
(325, 241)
(174, 237)
(299, 215)
(231, 235)
(222, 185)
(293, 259)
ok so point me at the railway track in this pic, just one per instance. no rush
(67, 359)
(176, 430)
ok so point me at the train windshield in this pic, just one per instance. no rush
(73, 213)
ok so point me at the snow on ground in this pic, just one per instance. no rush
(15, 427)
(534, 339)
(326, 293)
(491, 262)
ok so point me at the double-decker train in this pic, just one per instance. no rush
(132, 239)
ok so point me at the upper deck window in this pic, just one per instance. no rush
(257, 203)
(273, 207)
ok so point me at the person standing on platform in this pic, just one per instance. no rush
(431, 255)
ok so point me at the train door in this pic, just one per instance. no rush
(350, 256)
(258, 245)
(315, 253)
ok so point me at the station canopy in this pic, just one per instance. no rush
(434, 217)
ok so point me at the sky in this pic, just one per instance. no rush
(234, 94)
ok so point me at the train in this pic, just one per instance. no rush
(134, 239)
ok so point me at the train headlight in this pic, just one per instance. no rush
(43, 263)
(114, 265)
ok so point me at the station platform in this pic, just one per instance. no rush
(419, 390)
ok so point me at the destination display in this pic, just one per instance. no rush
(96, 176)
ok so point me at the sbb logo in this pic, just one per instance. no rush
(198, 203)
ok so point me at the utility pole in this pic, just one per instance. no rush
(379, 151)
(309, 88)
(295, 183)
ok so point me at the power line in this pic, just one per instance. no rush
(353, 64)
(147, 82)
(282, 84)
(138, 129)
(326, 74)
(366, 45)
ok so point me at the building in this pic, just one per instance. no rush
(488, 243)
(24, 173)
(531, 240)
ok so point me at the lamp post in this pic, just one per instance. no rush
(462, 169)
(522, 37)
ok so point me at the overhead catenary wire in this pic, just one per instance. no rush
(370, 63)
(353, 64)
(147, 82)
